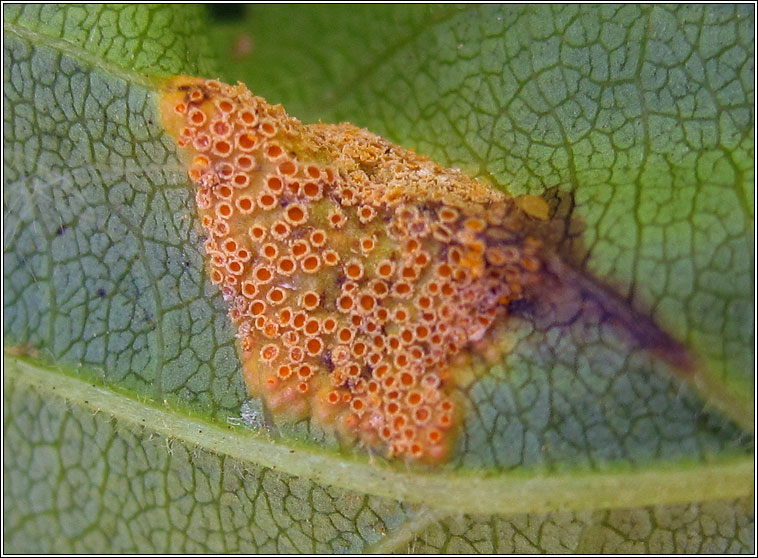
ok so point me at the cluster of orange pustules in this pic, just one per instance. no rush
(355, 269)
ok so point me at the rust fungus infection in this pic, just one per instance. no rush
(355, 270)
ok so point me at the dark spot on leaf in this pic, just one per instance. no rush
(519, 306)
(225, 12)
(326, 358)
(101, 292)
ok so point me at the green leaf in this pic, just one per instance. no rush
(653, 530)
(88, 469)
(124, 432)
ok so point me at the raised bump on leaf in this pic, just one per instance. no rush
(355, 270)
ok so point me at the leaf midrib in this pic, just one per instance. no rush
(453, 491)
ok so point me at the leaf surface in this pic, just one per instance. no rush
(104, 281)
(644, 114)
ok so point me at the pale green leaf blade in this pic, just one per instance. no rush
(719, 527)
(81, 479)
(163, 339)
(103, 268)
(184, 484)
(104, 276)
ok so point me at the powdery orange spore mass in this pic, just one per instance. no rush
(355, 270)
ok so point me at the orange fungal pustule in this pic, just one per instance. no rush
(355, 270)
